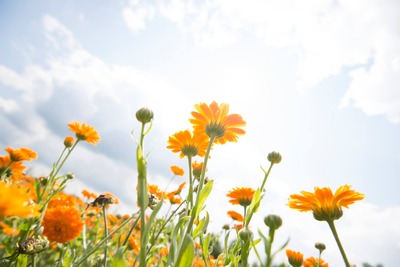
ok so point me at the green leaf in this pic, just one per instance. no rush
(186, 254)
(203, 195)
(202, 226)
(151, 220)
(253, 208)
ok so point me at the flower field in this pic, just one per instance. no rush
(42, 225)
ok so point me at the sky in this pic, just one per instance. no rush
(317, 81)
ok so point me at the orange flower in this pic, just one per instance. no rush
(241, 196)
(197, 168)
(295, 258)
(14, 202)
(88, 194)
(325, 205)
(62, 224)
(177, 171)
(62, 199)
(237, 226)
(84, 132)
(11, 169)
(8, 230)
(214, 120)
(235, 216)
(156, 191)
(21, 154)
(174, 199)
(179, 190)
(313, 262)
(187, 145)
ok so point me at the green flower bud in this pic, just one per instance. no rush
(245, 234)
(226, 227)
(273, 221)
(33, 245)
(320, 246)
(274, 157)
(144, 115)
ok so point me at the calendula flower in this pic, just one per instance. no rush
(15, 202)
(197, 167)
(241, 196)
(189, 145)
(236, 216)
(214, 120)
(84, 132)
(178, 190)
(295, 258)
(314, 262)
(177, 171)
(156, 191)
(21, 154)
(8, 230)
(62, 224)
(88, 194)
(325, 205)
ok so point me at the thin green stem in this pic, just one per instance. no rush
(190, 193)
(266, 177)
(335, 234)
(131, 230)
(271, 237)
(105, 235)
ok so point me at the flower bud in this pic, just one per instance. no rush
(320, 246)
(225, 227)
(69, 141)
(274, 157)
(246, 234)
(273, 221)
(144, 115)
(33, 245)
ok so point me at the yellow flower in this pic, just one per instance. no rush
(15, 202)
(235, 216)
(187, 145)
(84, 132)
(21, 154)
(241, 195)
(214, 120)
(295, 258)
(313, 262)
(62, 224)
(177, 171)
(325, 205)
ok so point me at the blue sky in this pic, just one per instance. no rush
(316, 81)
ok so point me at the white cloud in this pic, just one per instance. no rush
(328, 38)
(136, 16)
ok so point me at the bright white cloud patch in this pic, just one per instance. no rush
(328, 37)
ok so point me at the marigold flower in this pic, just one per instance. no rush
(236, 216)
(11, 169)
(85, 132)
(295, 258)
(313, 262)
(177, 171)
(237, 226)
(178, 190)
(174, 199)
(197, 167)
(241, 196)
(189, 145)
(88, 194)
(21, 154)
(62, 224)
(15, 202)
(156, 191)
(214, 120)
(325, 205)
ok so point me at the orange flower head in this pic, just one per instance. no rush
(62, 224)
(156, 191)
(21, 154)
(295, 258)
(241, 196)
(197, 168)
(177, 171)
(189, 145)
(84, 132)
(15, 202)
(236, 216)
(214, 120)
(325, 205)
(11, 169)
(173, 199)
(88, 194)
(178, 190)
(313, 262)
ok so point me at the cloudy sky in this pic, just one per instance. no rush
(318, 81)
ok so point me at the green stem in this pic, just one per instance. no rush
(105, 235)
(130, 231)
(335, 234)
(266, 176)
(189, 205)
(271, 237)
(200, 186)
